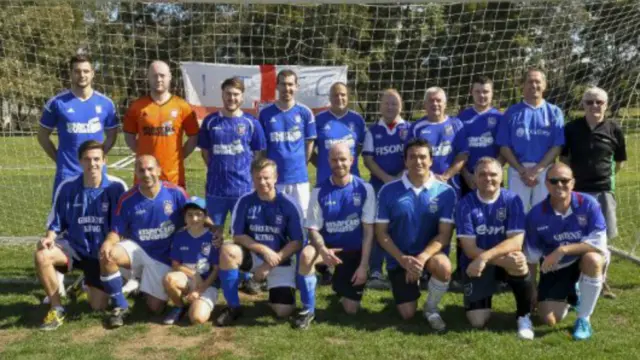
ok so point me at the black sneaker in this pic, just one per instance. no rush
(116, 319)
(303, 320)
(250, 287)
(228, 316)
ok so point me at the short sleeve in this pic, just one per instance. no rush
(49, 117)
(295, 231)
(310, 125)
(315, 220)
(258, 141)
(532, 248)
(383, 212)
(204, 140)
(464, 221)
(515, 216)
(130, 121)
(558, 126)
(239, 217)
(189, 120)
(111, 120)
(620, 153)
(449, 204)
(367, 146)
(369, 208)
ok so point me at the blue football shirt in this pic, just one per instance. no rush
(151, 223)
(338, 212)
(286, 133)
(531, 131)
(85, 215)
(349, 128)
(231, 143)
(386, 146)
(481, 130)
(198, 254)
(447, 140)
(546, 230)
(488, 222)
(414, 214)
(76, 121)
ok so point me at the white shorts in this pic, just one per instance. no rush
(210, 296)
(151, 272)
(530, 196)
(300, 192)
(279, 276)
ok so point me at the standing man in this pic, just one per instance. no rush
(290, 130)
(78, 114)
(567, 235)
(267, 232)
(336, 125)
(83, 211)
(414, 225)
(490, 228)
(382, 154)
(446, 136)
(592, 144)
(340, 224)
(481, 127)
(530, 138)
(229, 139)
(147, 216)
(155, 125)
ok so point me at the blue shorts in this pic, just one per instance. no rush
(219, 207)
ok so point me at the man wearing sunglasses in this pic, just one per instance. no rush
(592, 144)
(567, 235)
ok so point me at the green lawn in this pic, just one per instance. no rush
(377, 332)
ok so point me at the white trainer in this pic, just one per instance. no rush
(435, 321)
(525, 328)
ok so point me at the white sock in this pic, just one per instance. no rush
(589, 292)
(437, 289)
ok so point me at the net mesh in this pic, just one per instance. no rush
(409, 46)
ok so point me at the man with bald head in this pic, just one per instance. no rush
(155, 124)
(147, 216)
(567, 235)
(340, 223)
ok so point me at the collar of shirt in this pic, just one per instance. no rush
(576, 201)
(395, 124)
(336, 185)
(417, 190)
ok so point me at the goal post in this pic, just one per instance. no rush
(408, 45)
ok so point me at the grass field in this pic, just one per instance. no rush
(377, 332)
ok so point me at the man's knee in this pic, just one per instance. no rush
(350, 307)
(440, 267)
(230, 256)
(478, 319)
(282, 311)
(592, 263)
(198, 318)
(171, 281)
(155, 305)
(42, 258)
(407, 310)
(307, 257)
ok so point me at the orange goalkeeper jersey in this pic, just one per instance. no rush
(160, 129)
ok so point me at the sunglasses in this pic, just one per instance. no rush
(556, 181)
(591, 102)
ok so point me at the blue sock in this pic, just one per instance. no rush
(307, 286)
(112, 285)
(229, 280)
(245, 276)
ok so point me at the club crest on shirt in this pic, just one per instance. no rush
(297, 119)
(520, 132)
(433, 207)
(403, 132)
(352, 127)
(105, 206)
(241, 129)
(501, 214)
(279, 219)
(468, 289)
(206, 249)
(253, 212)
(357, 199)
(174, 113)
(168, 207)
(492, 121)
(582, 220)
(448, 130)
(98, 109)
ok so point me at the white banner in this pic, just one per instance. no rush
(202, 84)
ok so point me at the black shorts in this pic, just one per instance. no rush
(341, 281)
(90, 267)
(247, 260)
(403, 292)
(282, 295)
(560, 284)
(478, 291)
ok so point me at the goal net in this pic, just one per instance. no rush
(409, 45)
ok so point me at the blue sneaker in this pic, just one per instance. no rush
(582, 329)
(173, 316)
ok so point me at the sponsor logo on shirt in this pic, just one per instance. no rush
(520, 132)
(443, 149)
(568, 236)
(166, 129)
(91, 223)
(348, 140)
(389, 149)
(489, 230)
(234, 148)
(168, 207)
(482, 141)
(91, 127)
(164, 231)
(292, 135)
(351, 223)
